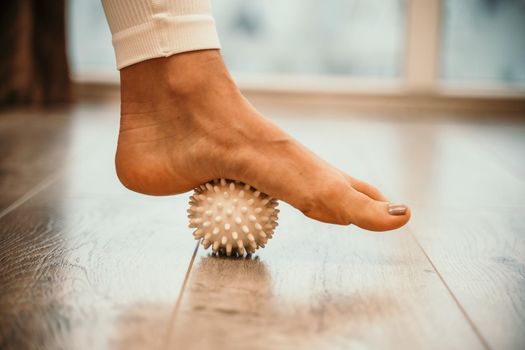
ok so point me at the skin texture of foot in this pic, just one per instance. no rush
(184, 122)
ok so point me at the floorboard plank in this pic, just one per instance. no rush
(32, 145)
(466, 186)
(318, 286)
(483, 265)
(87, 264)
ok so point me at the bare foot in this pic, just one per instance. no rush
(184, 122)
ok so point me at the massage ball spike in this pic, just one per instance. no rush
(232, 217)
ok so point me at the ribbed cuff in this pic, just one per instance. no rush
(164, 36)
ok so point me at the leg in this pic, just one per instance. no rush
(185, 122)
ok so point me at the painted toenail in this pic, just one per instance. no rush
(397, 209)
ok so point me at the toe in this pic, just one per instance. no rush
(375, 215)
(338, 202)
(367, 189)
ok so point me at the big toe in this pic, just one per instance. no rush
(341, 203)
(374, 215)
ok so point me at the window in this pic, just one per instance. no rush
(483, 41)
(480, 41)
(350, 37)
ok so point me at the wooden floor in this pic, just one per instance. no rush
(86, 264)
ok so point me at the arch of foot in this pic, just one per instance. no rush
(232, 217)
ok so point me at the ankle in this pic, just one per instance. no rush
(181, 76)
(196, 72)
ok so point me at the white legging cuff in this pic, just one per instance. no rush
(145, 29)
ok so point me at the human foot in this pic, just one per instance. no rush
(184, 122)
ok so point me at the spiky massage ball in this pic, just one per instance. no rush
(232, 217)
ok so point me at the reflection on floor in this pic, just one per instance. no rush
(86, 264)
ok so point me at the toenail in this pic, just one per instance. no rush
(397, 209)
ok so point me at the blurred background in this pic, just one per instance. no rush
(431, 47)
(478, 41)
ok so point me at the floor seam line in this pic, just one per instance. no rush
(474, 328)
(173, 318)
(42, 185)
